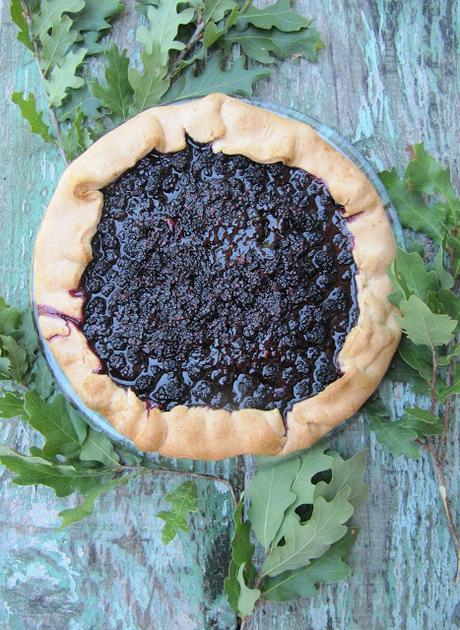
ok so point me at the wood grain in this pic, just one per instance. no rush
(388, 77)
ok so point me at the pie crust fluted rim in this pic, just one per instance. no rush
(63, 250)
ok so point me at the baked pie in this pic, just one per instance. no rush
(211, 278)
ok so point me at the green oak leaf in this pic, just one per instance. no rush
(267, 46)
(412, 276)
(247, 596)
(421, 421)
(242, 553)
(95, 15)
(77, 138)
(453, 242)
(270, 494)
(56, 43)
(232, 585)
(33, 470)
(327, 569)
(37, 452)
(18, 17)
(80, 100)
(425, 174)
(450, 303)
(313, 461)
(28, 335)
(33, 116)
(98, 448)
(444, 392)
(278, 15)
(236, 80)
(215, 10)
(212, 32)
(433, 303)
(51, 12)
(10, 318)
(11, 405)
(453, 220)
(400, 289)
(63, 78)
(398, 438)
(90, 41)
(424, 327)
(97, 130)
(445, 279)
(412, 210)
(13, 356)
(242, 548)
(347, 472)
(183, 499)
(445, 360)
(303, 542)
(42, 379)
(86, 507)
(164, 23)
(149, 86)
(116, 95)
(17, 357)
(401, 372)
(418, 357)
(62, 427)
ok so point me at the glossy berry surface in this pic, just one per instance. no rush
(219, 281)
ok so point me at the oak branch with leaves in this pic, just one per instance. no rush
(187, 50)
(425, 289)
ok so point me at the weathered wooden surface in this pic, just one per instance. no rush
(388, 77)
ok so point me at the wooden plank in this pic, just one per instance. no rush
(388, 77)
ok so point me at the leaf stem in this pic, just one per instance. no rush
(54, 119)
(442, 487)
(196, 35)
(437, 461)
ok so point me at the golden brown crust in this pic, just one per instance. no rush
(63, 250)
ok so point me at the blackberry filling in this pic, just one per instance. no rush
(219, 281)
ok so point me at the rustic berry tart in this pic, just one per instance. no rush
(211, 278)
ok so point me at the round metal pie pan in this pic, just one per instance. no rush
(96, 420)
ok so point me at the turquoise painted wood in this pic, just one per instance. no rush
(388, 77)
